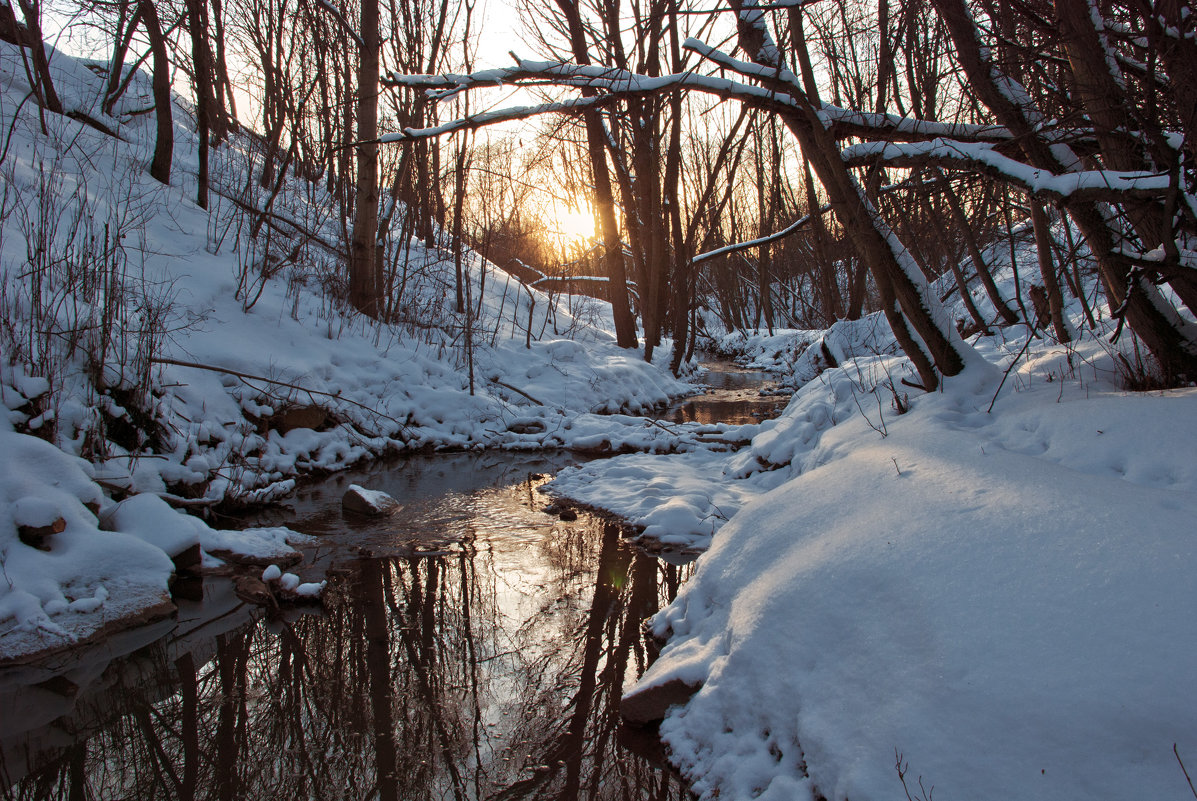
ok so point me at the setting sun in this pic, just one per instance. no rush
(571, 223)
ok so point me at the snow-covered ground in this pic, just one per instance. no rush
(150, 346)
(999, 599)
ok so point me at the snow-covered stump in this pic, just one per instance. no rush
(370, 503)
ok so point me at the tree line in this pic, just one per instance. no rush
(928, 126)
(782, 164)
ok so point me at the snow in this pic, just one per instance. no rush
(310, 589)
(1079, 183)
(99, 570)
(35, 512)
(1000, 599)
(375, 500)
(258, 543)
(977, 608)
(151, 520)
(89, 577)
(289, 582)
(992, 583)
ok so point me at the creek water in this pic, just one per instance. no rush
(471, 646)
(733, 394)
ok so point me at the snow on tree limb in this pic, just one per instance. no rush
(983, 158)
(475, 121)
(763, 240)
(617, 83)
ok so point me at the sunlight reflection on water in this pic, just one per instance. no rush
(734, 397)
(479, 650)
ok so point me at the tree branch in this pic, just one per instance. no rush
(977, 157)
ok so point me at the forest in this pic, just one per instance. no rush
(866, 151)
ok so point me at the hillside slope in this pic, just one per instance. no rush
(207, 357)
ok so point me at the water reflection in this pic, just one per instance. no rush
(480, 658)
(734, 396)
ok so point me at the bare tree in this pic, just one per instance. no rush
(165, 142)
(364, 279)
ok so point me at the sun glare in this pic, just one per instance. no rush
(571, 223)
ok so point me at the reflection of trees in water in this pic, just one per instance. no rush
(420, 682)
(571, 720)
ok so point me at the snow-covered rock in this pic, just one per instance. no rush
(151, 519)
(372, 503)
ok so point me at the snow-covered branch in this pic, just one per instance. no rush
(340, 18)
(983, 158)
(613, 84)
(753, 243)
(475, 121)
(845, 122)
(616, 83)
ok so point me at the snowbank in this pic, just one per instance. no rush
(800, 355)
(1006, 601)
(78, 580)
(984, 591)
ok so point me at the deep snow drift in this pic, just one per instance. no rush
(1002, 598)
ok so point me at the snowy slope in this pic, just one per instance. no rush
(191, 289)
(1007, 601)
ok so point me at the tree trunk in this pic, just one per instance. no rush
(165, 144)
(43, 85)
(1106, 104)
(363, 262)
(979, 321)
(224, 115)
(604, 196)
(1170, 340)
(198, 24)
(893, 269)
(826, 279)
(974, 252)
(1047, 269)
(120, 48)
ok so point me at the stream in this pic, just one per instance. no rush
(471, 646)
(734, 395)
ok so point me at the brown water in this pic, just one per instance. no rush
(472, 647)
(733, 395)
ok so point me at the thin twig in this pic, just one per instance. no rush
(1006, 374)
(1185, 771)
